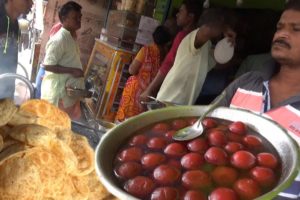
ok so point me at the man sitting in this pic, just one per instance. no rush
(277, 94)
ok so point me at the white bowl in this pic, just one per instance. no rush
(223, 51)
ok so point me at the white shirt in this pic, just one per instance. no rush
(184, 81)
(62, 49)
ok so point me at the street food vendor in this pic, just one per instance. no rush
(62, 61)
(10, 10)
(276, 95)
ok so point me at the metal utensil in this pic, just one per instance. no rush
(156, 101)
(191, 132)
(156, 104)
(111, 143)
(22, 78)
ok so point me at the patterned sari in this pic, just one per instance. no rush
(130, 104)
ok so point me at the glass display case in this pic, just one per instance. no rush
(107, 72)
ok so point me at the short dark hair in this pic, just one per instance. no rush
(292, 5)
(194, 7)
(219, 17)
(161, 35)
(3, 2)
(67, 8)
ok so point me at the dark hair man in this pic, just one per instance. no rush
(183, 83)
(10, 10)
(62, 60)
(187, 19)
(276, 95)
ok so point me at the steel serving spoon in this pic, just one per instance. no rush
(191, 132)
(155, 103)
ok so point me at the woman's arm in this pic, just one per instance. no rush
(137, 62)
(135, 67)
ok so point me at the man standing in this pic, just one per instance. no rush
(62, 60)
(184, 81)
(10, 10)
(276, 95)
(187, 18)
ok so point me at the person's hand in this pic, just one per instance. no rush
(231, 35)
(77, 73)
(144, 95)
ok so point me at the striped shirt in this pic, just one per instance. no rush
(251, 91)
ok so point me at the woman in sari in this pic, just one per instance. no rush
(143, 69)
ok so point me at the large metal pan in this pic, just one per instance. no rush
(277, 136)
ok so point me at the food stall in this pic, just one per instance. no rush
(42, 157)
(128, 26)
(148, 164)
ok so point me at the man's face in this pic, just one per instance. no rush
(183, 17)
(22, 6)
(73, 20)
(286, 41)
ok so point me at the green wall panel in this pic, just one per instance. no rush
(259, 4)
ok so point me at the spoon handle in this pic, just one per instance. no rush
(212, 106)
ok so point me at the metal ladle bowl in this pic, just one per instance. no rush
(22, 78)
(156, 104)
(111, 142)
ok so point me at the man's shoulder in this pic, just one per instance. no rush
(251, 76)
(181, 34)
(186, 41)
(249, 81)
(57, 39)
(187, 34)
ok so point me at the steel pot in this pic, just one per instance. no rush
(285, 146)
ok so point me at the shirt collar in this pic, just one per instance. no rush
(66, 32)
(266, 96)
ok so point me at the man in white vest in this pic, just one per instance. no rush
(193, 61)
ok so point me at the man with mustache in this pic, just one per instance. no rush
(10, 10)
(276, 95)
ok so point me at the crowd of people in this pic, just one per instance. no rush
(177, 74)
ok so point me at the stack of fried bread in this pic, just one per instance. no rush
(41, 158)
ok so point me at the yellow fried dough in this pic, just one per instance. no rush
(11, 150)
(54, 117)
(7, 110)
(67, 156)
(81, 188)
(42, 159)
(52, 174)
(97, 190)
(36, 174)
(1, 143)
(84, 154)
(40, 136)
(20, 177)
(23, 117)
(64, 135)
(4, 130)
(33, 135)
(8, 141)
